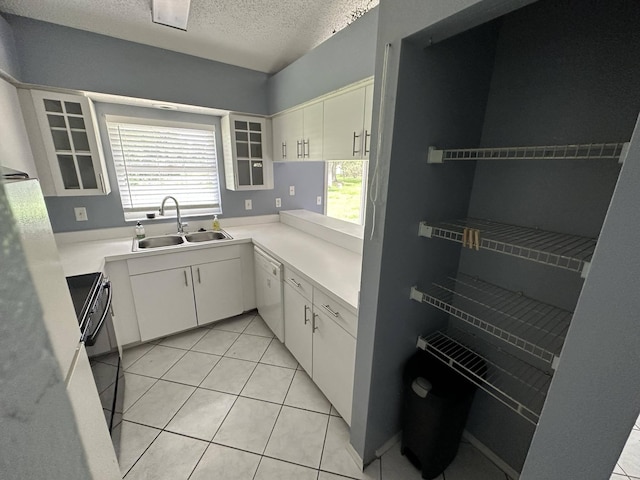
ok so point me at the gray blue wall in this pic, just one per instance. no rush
(76, 59)
(58, 56)
(563, 96)
(8, 55)
(346, 57)
(106, 211)
(377, 392)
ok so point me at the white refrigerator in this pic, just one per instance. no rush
(51, 420)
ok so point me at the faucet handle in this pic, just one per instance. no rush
(183, 225)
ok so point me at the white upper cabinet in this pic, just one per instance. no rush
(71, 143)
(247, 159)
(287, 136)
(297, 135)
(336, 126)
(312, 139)
(347, 125)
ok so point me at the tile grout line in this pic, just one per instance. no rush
(277, 417)
(182, 405)
(136, 361)
(159, 378)
(324, 442)
(143, 394)
(163, 429)
(145, 450)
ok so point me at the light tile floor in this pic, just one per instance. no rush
(628, 466)
(229, 402)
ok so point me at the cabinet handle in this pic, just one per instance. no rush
(305, 151)
(299, 144)
(314, 326)
(367, 135)
(355, 136)
(199, 279)
(306, 320)
(186, 282)
(328, 309)
(284, 149)
(292, 280)
(104, 188)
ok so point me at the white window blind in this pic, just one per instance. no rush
(153, 161)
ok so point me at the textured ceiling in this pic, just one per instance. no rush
(264, 35)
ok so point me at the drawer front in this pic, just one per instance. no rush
(167, 261)
(335, 310)
(299, 283)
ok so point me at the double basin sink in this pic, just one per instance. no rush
(180, 239)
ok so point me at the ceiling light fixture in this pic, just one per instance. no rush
(172, 13)
(164, 106)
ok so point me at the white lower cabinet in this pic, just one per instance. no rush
(173, 292)
(164, 302)
(297, 327)
(318, 334)
(334, 357)
(218, 290)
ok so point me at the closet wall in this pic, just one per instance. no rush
(562, 74)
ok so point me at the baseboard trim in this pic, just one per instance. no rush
(487, 452)
(356, 458)
(388, 445)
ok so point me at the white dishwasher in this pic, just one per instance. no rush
(269, 291)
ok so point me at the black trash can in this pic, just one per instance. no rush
(437, 400)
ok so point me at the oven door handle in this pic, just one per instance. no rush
(91, 340)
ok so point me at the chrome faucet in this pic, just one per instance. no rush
(180, 224)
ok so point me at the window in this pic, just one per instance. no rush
(154, 159)
(346, 193)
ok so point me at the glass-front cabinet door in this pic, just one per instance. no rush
(248, 165)
(72, 144)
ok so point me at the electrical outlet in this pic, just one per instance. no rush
(278, 202)
(318, 200)
(292, 190)
(81, 214)
(247, 204)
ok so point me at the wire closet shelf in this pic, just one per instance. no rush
(521, 387)
(587, 151)
(569, 252)
(530, 325)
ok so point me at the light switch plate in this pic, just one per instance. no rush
(247, 204)
(278, 202)
(81, 214)
(292, 190)
(318, 200)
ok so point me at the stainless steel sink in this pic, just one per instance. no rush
(207, 236)
(163, 241)
(177, 240)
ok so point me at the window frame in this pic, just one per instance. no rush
(185, 211)
(363, 194)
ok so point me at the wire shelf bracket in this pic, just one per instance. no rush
(586, 151)
(525, 397)
(527, 324)
(569, 252)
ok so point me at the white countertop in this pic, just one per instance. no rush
(331, 267)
